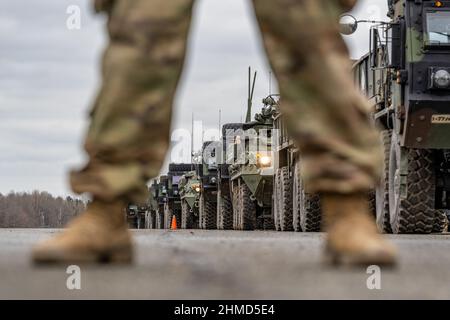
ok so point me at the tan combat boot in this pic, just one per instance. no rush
(352, 235)
(99, 235)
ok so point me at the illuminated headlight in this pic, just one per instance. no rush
(264, 160)
(197, 189)
(441, 79)
(175, 192)
(213, 180)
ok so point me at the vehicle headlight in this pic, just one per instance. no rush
(213, 180)
(441, 79)
(197, 189)
(264, 160)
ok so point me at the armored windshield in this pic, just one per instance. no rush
(438, 28)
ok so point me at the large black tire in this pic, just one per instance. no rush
(188, 219)
(307, 216)
(167, 216)
(440, 221)
(235, 204)
(160, 218)
(140, 222)
(133, 222)
(284, 192)
(224, 211)
(208, 214)
(411, 189)
(151, 220)
(246, 208)
(267, 217)
(276, 201)
(382, 190)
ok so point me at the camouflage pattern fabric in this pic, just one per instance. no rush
(326, 115)
(129, 132)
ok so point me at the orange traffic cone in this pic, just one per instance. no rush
(173, 226)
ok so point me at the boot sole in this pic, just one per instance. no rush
(361, 260)
(124, 256)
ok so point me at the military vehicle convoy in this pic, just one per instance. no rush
(190, 187)
(406, 76)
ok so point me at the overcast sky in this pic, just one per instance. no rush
(49, 76)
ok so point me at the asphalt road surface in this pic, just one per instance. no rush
(198, 264)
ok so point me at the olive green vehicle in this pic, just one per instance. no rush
(190, 187)
(406, 76)
(224, 199)
(136, 215)
(152, 206)
(251, 169)
(207, 172)
(161, 198)
(293, 208)
(171, 199)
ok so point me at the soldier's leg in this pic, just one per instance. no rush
(130, 122)
(327, 117)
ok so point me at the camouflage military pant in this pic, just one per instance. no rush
(129, 132)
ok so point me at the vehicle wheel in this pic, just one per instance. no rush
(382, 191)
(411, 189)
(132, 223)
(224, 212)
(307, 216)
(246, 208)
(285, 200)
(440, 221)
(268, 219)
(208, 212)
(160, 218)
(153, 219)
(167, 216)
(235, 204)
(276, 201)
(139, 222)
(187, 216)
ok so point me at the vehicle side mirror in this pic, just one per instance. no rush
(347, 24)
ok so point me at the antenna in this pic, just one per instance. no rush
(251, 90)
(192, 142)
(270, 82)
(220, 122)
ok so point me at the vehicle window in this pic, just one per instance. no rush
(438, 27)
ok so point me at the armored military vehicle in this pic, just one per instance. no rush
(251, 168)
(152, 206)
(172, 201)
(293, 207)
(136, 215)
(161, 198)
(224, 199)
(207, 171)
(406, 76)
(190, 187)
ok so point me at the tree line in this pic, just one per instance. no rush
(37, 210)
